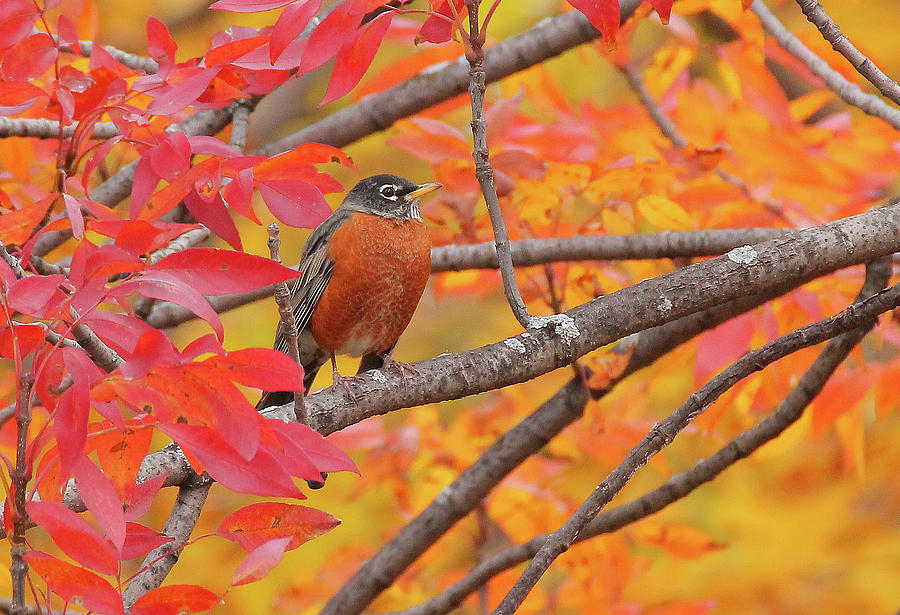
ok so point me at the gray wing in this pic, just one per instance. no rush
(315, 273)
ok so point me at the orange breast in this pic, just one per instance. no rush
(381, 267)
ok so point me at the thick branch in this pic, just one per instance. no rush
(680, 485)
(849, 92)
(377, 112)
(840, 43)
(862, 314)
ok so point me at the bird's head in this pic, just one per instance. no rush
(389, 196)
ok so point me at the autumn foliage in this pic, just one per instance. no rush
(135, 188)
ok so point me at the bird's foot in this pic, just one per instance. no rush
(344, 381)
(400, 367)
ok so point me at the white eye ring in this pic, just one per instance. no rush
(388, 191)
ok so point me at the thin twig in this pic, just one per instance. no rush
(849, 92)
(240, 124)
(840, 43)
(483, 171)
(861, 314)
(679, 485)
(288, 325)
(12, 261)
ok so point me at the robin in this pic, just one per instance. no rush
(362, 273)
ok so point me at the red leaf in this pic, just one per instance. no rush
(74, 584)
(177, 96)
(175, 599)
(335, 31)
(238, 193)
(219, 272)
(291, 23)
(162, 285)
(324, 455)
(29, 58)
(70, 424)
(73, 209)
(232, 50)
(262, 475)
(170, 157)
(261, 368)
(294, 202)
(663, 8)
(140, 540)
(18, 96)
(257, 524)
(36, 294)
(260, 561)
(603, 15)
(438, 30)
(249, 6)
(214, 214)
(142, 499)
(354, 59)
(160, 45)
(101, 498)
(29, 338)
(17, 19)
(75, 536)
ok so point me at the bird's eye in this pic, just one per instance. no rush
(388, 191)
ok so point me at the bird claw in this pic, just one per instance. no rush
(399, 366)
(344, 381)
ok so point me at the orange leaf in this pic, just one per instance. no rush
(256, 524)
(16, 227)
(175, 600)
(681, 540)
(72, 583)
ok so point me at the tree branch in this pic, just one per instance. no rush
(849, 92)
(680, 485)
(528, 252)
(862, 314)
(840, 43)
(49, 129)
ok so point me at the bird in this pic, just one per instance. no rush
(362, 273)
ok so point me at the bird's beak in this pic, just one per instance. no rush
(422, 190)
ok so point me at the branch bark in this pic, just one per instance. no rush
(840, 43)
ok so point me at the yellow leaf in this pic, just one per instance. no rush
(667, 64)
(614, 223)
(664, 213)
(803, 107)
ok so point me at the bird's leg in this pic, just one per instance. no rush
(343, 381)
(399, 366)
